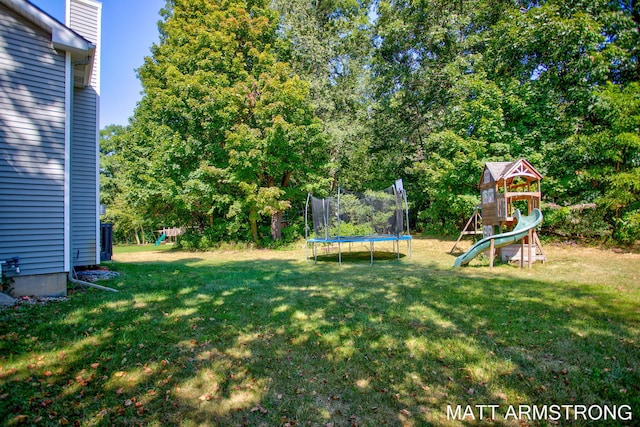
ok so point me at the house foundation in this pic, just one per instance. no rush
(40, 285)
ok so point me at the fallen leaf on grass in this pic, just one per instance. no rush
(260, 409)
(206, 396)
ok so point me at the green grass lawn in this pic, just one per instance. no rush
(125, 249)
(266, 338)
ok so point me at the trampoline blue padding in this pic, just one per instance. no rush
(360, 239)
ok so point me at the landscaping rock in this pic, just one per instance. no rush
(6, 300)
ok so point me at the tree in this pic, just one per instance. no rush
(607, 157)
(227, 124)
(276, 141)
(462, 83)
(329, 44)
(120, 189)
(227, 135)
(423, 78)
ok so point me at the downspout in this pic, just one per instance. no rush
(83, 283)
(67, 161)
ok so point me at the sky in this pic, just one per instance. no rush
(129, 29)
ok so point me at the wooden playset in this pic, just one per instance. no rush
(505, 187)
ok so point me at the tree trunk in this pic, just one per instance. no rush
(253, 220)
(276, 218)
(276, 226)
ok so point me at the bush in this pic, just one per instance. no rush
(228, 236)
(627, 228)
(583, 222)
(447, 216)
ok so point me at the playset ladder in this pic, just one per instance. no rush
(476, 219)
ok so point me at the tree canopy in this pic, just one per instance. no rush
(248, 105)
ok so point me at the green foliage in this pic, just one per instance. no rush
(460, 84)
(6, 284)
(215, 237)
(577, 222)
(224, 131)
(451, 168)
(351, 229)
(329, 44)
(248, 105)
(122, 189)
(627, 228)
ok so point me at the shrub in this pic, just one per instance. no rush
(585, 222)
(627, 228)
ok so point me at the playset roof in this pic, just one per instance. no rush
(505, 170)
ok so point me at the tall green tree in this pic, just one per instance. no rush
(422, 67)
(462, 83)
(606, 158)
(120, 189)
(329, 44)
(226, 123)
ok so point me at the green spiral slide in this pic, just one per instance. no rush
(525, 223)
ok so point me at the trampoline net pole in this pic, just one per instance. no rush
(306, 217)
(406, 210)
(338, 215)
(325, 218)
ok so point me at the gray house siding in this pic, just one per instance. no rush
(48, 143)
(84, 19)
(32, 146)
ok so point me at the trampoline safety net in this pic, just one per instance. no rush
(368, 214)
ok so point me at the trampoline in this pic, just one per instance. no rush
(358, 218)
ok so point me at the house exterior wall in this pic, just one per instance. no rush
(32, 148)
(83, 16)
(48, 144)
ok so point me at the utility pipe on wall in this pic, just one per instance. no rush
(83, 283)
